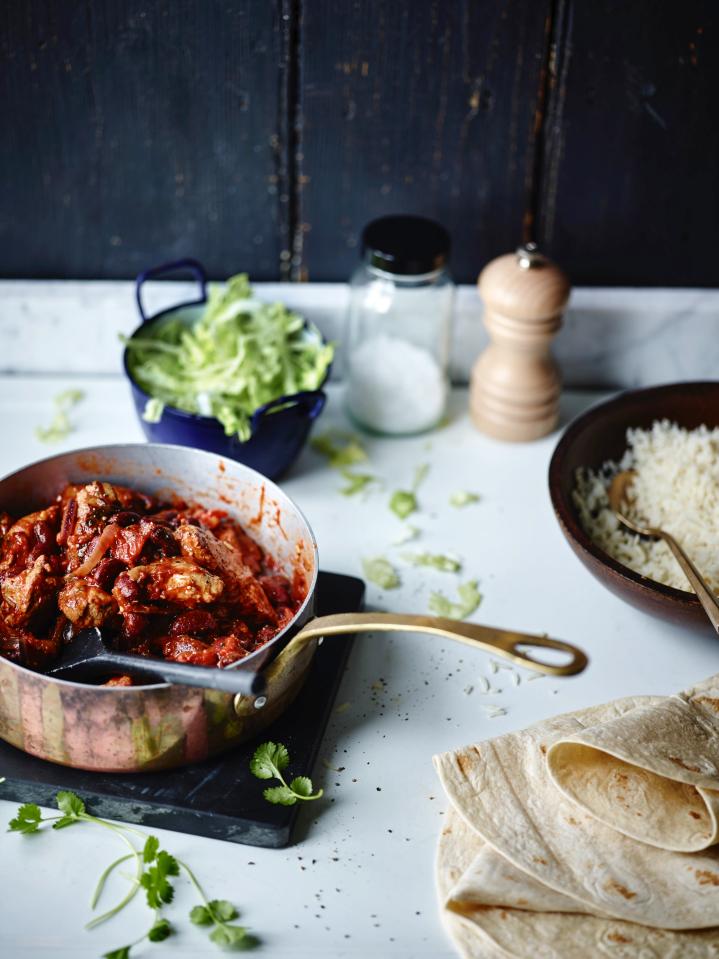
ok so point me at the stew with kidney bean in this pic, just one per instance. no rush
(170, 580)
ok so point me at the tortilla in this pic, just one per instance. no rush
(652, 773)
(509, 933)
(503, 791)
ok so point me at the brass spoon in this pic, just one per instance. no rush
(618, 500)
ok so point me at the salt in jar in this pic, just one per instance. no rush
(399, 327)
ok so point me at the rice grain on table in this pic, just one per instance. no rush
(676, 488)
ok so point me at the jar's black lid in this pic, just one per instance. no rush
(406, 245)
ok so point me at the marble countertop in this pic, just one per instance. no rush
(359, 879)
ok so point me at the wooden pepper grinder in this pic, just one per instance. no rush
(515, 383)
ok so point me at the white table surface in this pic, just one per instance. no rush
(359, 879)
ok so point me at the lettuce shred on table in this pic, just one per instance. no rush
(381, 572)
(60, 426)
(440, 561)
(469, 600)
(240, 355)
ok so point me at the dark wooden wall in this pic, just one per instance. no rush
(263, 134)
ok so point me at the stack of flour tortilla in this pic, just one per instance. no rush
(590, 834)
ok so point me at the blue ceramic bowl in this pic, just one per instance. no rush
(279, 429)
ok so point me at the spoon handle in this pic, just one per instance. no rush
(704, 594)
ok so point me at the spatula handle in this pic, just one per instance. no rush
(233, 681)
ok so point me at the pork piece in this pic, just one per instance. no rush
(27, 592)
(233, 534)
(95, 506)
(30, 537)
(229, 531)
(86, 605)
(175, 581)
(118, 681)
(228, 649)
(243, 590)
(187, 649)
(131, 499)
(145, 537)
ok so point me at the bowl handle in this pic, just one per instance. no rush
(194, 266)
(311, 402)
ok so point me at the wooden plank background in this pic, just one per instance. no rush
(263, 134)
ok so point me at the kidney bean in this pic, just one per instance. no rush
(134, 624)
(278, 589)
(128, 589)
(195, 622)
(105, 573)
(126, 517)
(44, 541)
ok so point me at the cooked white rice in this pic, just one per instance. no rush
(676, 489)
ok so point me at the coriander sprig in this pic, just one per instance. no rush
(267, 763)
(154, 870)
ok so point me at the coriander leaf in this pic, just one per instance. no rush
(65, 821)
(69, 803)
(356, 482)
(269, 759)
(470, 598)
(281, 795)
(27, 820)
(160, 931)
(445, 564)
(222, 909)
(200, 916)
(122, 953)
(403, 503)
(230, 937)
(155, 880)
(150, 848)
(302, 786)
(381, 572)
(463, 498)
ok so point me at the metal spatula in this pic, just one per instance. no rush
(88, 655)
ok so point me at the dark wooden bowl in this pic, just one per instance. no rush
(599, 435)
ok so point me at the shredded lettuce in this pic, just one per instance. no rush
(406, 534)
(469, 600)
(381, 572)
(340, 448)
(463, 498)
(238, 356)
(60, 426)
(356, 482)
(445, 564)
(403, 502)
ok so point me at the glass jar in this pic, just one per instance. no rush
(399, 327)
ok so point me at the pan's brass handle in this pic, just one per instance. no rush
(501, 642)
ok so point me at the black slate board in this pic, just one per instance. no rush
(218, 798)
